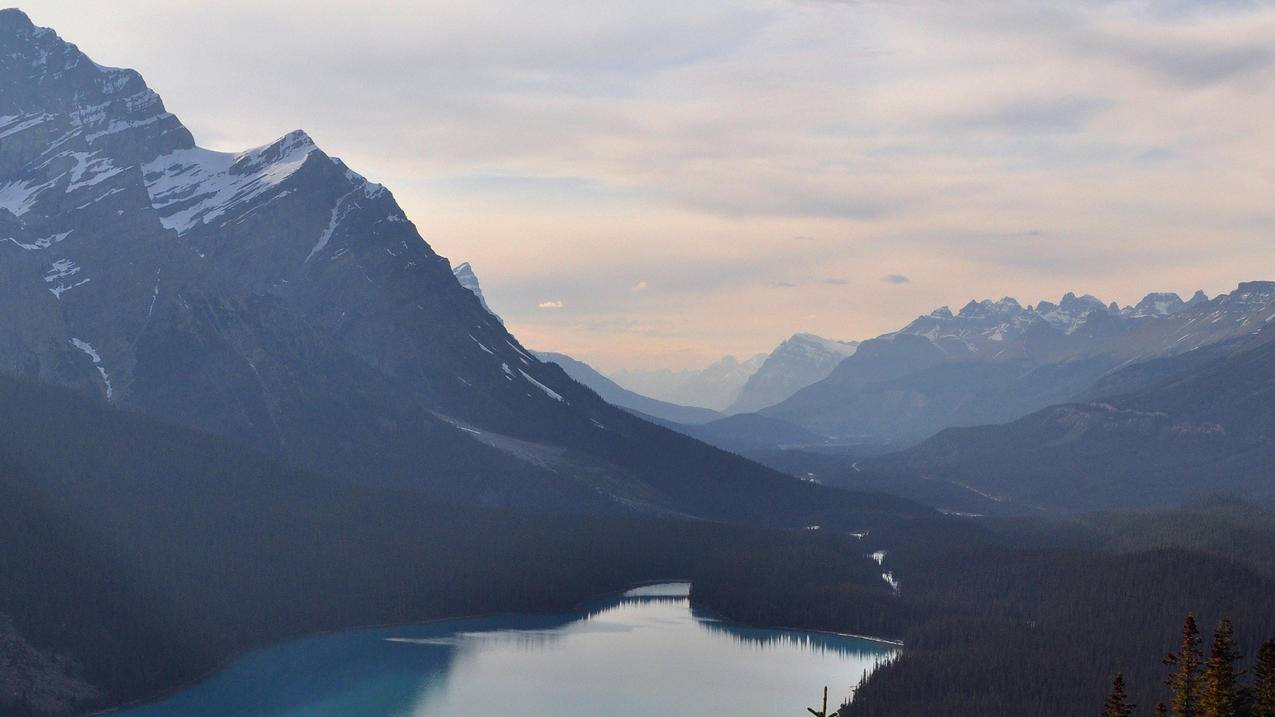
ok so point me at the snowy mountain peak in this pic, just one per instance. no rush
(797, 362)
(811, 340)
(1157, 304)
(59, 96)
(192, 187)
(464, 273)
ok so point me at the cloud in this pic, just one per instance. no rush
(640, 286)
(626, 140)
(1030, 114)
(895, 279)
(782, 285)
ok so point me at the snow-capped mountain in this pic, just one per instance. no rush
(278, 298)
(464, 273)
(994, 361)
(796, 363)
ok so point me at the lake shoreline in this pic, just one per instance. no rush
(581, 605)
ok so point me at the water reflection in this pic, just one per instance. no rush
(644, 653)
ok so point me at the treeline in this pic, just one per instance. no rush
(1034, 617)
(138, 556)
(1208, 688)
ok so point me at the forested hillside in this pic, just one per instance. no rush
(138, 555)
(1038, 618)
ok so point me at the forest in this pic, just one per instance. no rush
(147, 556)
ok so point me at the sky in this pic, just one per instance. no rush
(655, 184)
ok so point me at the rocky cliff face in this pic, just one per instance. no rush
(276, 297)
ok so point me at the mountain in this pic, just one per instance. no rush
(715, 387)
(796, 363)
(616, 395)
(1166, 432)
(139, 555)
(995, 361)
(464, 274)
(277, 298)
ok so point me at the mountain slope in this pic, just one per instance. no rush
(1197, 424)
(279, 299)
(139, 555)
(616, 395)
(796, 363)
(997, 361)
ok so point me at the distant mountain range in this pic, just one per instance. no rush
(733, 386)
(716, 386)
(995, 361)
(1151, 435)
(279, 299)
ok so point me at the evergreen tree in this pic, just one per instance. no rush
(1185, 681)
(1264, 681)
(1117, 704)
(1220, 695)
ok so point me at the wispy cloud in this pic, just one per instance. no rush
(626, 141)
(895, 279)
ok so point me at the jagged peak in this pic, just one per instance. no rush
(1160, 303)
(804, 339)
(291, 147)
(12, 18)
(1259, 287)
(112, 108)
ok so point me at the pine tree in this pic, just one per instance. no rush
(1264, 681)
(1117, 704)
(1185, 681)
(1220, 695)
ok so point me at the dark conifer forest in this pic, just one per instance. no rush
(150, 555)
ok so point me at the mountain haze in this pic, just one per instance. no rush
(796, 363)
(617, 395)
(715, 387)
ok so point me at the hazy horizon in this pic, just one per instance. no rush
(659, 186)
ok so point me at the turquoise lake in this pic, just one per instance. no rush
(645, 653)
